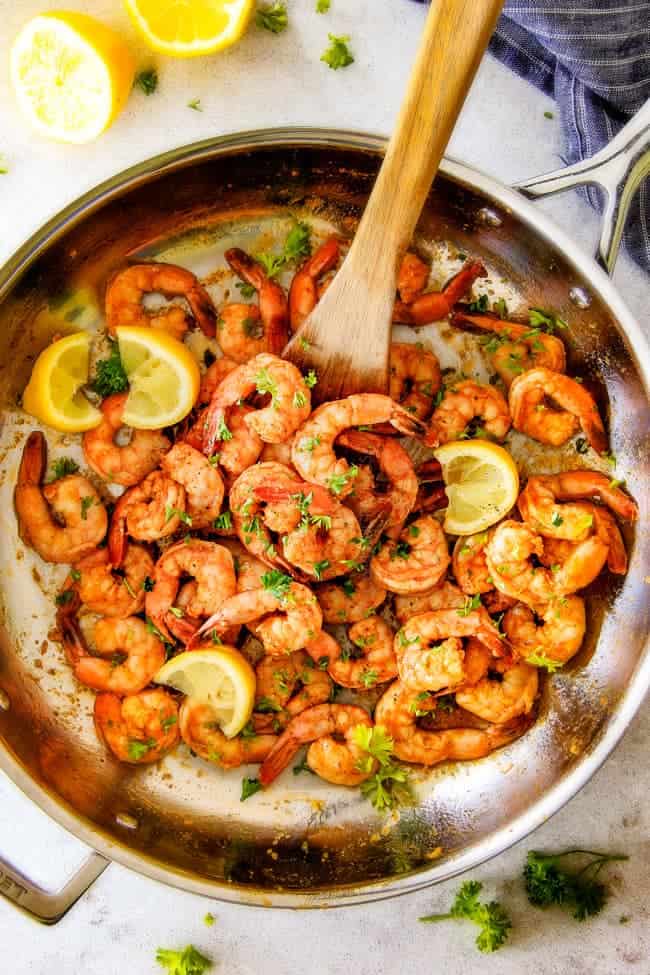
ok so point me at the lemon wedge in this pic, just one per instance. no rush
(71, 75)
(187, 28)
(481, 482)
(163, 376)
(53, 394)
(221, 678)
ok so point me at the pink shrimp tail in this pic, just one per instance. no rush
(278, 758)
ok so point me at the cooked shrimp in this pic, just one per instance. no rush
(200, 731)
(509, 559)
(313, 446)
(128, 464)
(469, 564)
(558, 636)
(416, 562)
(280, 453)
(429, 647)
(445, 595)
(138, 729)
(516, 347)
(531, 400)
(149, 511)
(464, 402)
(333, 753)
(414, 378)
(204, 488)
(273, 308)
(325, 549)
(126, 290)
(212, 377)
(397, 467)
(539, 508)
(435, 305)
(350, 600)
(398, 712)
(377, 663)
(212, 568)
(105, 670)
(287, 687)
(240, 332)
(499, 701)
(107, 592)
(303, 294)
(288, 506)
(603, 525)
(63, 521)
(412, 277)
(249, 513)
(295, 615)
(290, 403)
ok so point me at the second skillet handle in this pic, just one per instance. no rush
(618, 168)
(41, 904)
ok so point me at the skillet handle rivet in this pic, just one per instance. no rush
(579, 296)
(489, 217)
(5, 703)
(127, 820)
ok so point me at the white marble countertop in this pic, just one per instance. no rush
(116, 927)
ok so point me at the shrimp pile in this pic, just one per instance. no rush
(307, 540)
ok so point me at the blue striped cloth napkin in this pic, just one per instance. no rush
(593, 58)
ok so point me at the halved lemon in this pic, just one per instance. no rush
(481, 482)
(71, 74)
(53, 394)
(222, 678)
(163, 375)
(187, 28)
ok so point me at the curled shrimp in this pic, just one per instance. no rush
(554, 631)
(399, 711)
(147, 512)
(128, 464)
(532, 400)
(138, 729)
(107, 592)
(303, 294)
(435, 305)
(209, 565)
(324, 547)
(240, 332)
(375, 662)
(600, 523)
(289, 616)
(104, 670)
(396, 465)
(289, 406)
(200, 731)
(414, 563)
(414, 378)
(509, 556)
(462, 403)
(538, 502)
(126, 290)
(499, 701)
(333, 754)
(350, 600)
(412, 277)
(286, 687)
(515, 347)
(81, 520)
(429, 648)
(250, 513)
(280, 453)
(444, 595)
(273, 308)
(204, 488)
(312, 451)
(469, 564)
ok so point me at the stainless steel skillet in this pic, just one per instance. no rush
(305, 844)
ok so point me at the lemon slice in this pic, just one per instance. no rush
(481, 482)
(186, 28)
(71, 75)
(221, 678)
(53, 394)
(163, 375)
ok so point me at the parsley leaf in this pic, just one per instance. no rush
(146, 81)
(546, 320)
(223, 522)
(538, 659)
(389, 785)
(348, 587)
(320, 567)
(322, 6)
(297, 246)
(86, 503)
(64, 466)
(148, 584)
(189, 961)
(110, 376)
(337, 482)
(550, 880)
(247, 290)
(195, 104)
(138, 749)
(223, 433)
(248, 788)
(272, 17)
(311, 379)
(491, 918)
(471, 603)
(277, 583)
(177, 513)
(338, 54)
(63, 598)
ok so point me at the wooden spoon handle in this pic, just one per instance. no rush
(455, 36)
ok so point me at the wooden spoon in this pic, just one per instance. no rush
(346, 338)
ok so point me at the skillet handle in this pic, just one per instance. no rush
(618, 168)
(42, 905)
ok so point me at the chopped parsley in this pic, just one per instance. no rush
(369, 678)
(557, 519)
(491, 918)
(209, 920)
(309, 444)
(402, 550)
(223, 522)
(183, 516)
(64, 466)
(248, 788)
(4, 169)
(189, 961)
(86, 503)
(320, 567)
(299, 400)
(338, 54)
(471, 603)
(63, 598)
(110, 375)
(297, 246)
(252, 328)
(146, 81)
(302, 767)
(311, 379)
(168, 722)
(277, 583)
(75, 575)
(609, 457)
(500, 308)
(148, 584)
(480, 304)
(545, 320)
(223, 433)
(272, 17)
(323, 6)
(247, 290)
(266, 706)
(549, 115)
(195, 104)
(348, 587)
(138, 749)
(538, 659)
(413, 531)
(581, 445)
(265, 383)
(337, 482)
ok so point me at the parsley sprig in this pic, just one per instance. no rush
(189, 961)
(491, 918)
(389, 786)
